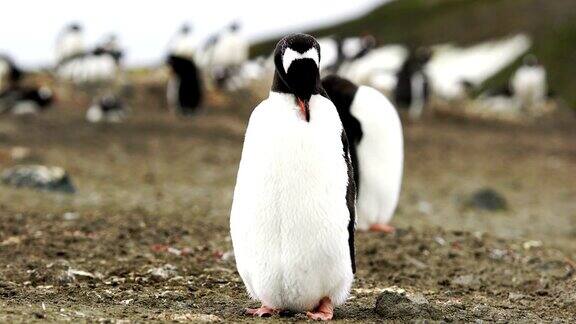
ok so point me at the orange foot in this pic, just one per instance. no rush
(323, 312)
(382, 228)
(263, 311)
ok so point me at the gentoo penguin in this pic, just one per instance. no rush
(412, 87)
(292, 218)
(529, 83)
(184, 90)
(184, 43)
(110, 46)
(79, 65)
(107, 109)
(70, 43)
(228, 54)
(25, 101)
(376, 145)
(342, 52)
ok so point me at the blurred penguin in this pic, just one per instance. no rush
(184, 43)
(343, 52)
(107, 109)
(110, 46)
(100, 65)
(184, 90)
(376, 141)
(70, 43)
(229, 52)
(10, 73)
(412, 87)
(529, 83)
(26, 101)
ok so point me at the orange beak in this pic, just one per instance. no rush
(303, 109)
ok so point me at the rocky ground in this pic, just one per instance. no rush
(145, 237)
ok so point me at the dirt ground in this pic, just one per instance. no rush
(146, 235)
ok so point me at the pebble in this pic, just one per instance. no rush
(397, 304)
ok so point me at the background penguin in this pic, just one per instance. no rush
(184, 90)
(108, 109)
(28, 100)
(412, 87)
(229, 52)
(376, 145)
(110, 46)
(183, 44)
(99, 65)
(70, 43)
(529, 83)
(292, 219)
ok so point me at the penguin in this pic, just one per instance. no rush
(529, 83)
(100, 64)
(228, 54)
(376, 146)
(108, 109)
(412, 87)
(70, 43)
(184, 43)
(293, 213)
(110, 46)
(26, 100)
(184, 89)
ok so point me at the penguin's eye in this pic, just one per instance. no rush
(291, 55)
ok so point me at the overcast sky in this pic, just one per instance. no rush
(28, 28)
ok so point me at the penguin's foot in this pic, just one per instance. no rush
(382, 228)
(323, 312)
(263, 311)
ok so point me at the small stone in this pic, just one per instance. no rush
(199, 318)
(70, 216)
(465, 280)
(396, 304)
(528, 245)
(488, 199)
(515, 296)
(38, 177)
(164, 272)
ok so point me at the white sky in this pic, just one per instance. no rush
(28, 28)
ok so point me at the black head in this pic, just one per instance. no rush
(185, 29)
(75, 27)
(297, 58)
(234, 27)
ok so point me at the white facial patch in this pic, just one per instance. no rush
(291, 55)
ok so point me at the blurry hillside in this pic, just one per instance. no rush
(550, 23)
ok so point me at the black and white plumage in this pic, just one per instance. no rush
(227, 54)
(343, 51)
(26, 100)
(376, 140)
(184, 43)
(70, 43)
(184, 90)
(412, 86)
(107, 109)
(292, 219)
(81, 65)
